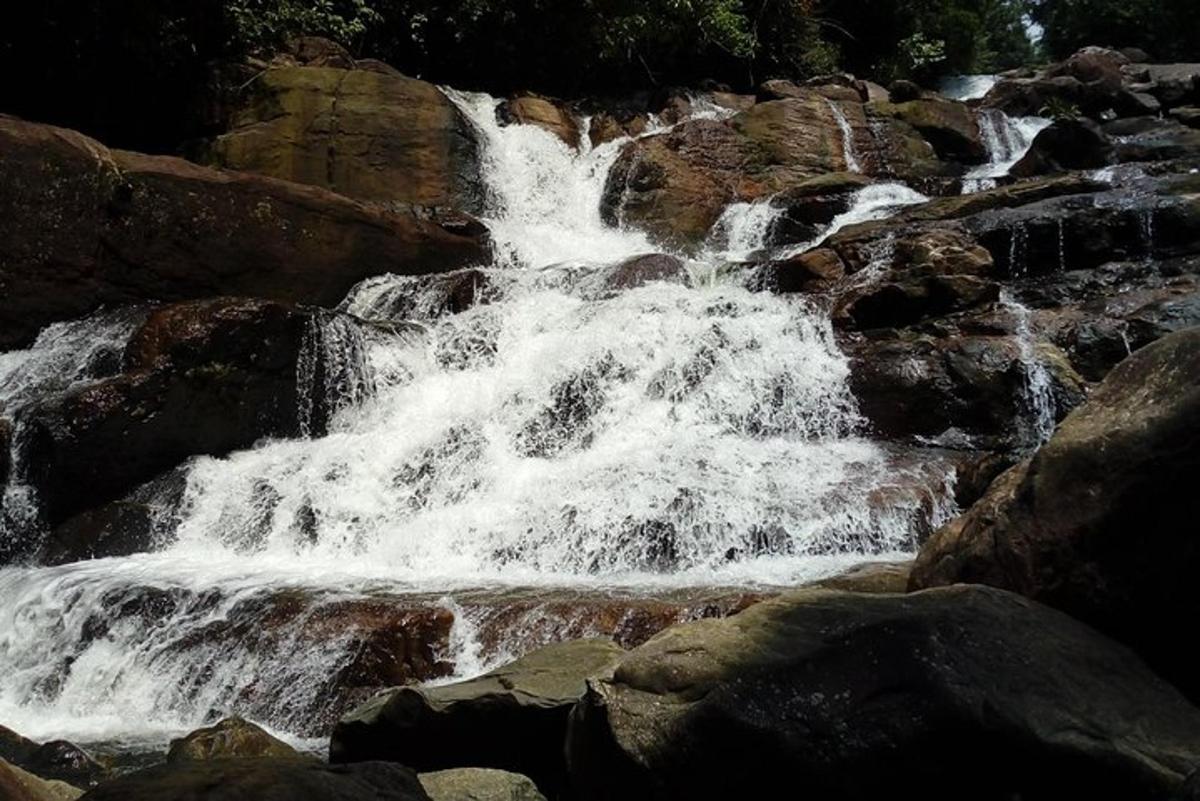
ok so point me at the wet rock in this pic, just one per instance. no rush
(1159, 140)
(366, 134)
(862, 696)
(543, 112)
(87, 227)
(232, 737)
(949, 126)
(1174, 84)
(1188, 115)
(1066, 144)
(1058, 526)
(902, 91)
(6, 433)
(641, 270)
(203, 377)
(20, 785)
(513, 718)
(676, 184)
(812, 271)
(911, 384)
(810, 206)
(479, 784)
(266, 779)
(57, 761)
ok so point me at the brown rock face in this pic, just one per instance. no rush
(949, 126)
(86, 227)
(17, 784)
(201, 377)
(1099, 521)
(676, 185)
(366, 134)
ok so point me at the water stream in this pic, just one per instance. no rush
(570, 434)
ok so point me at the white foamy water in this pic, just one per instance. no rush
(574, 429)
(848, 154)
(872, 202)
(967, 87)
(1007, 140)
(1038, 394)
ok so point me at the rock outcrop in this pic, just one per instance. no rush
(940, 694)
(367, 134)
(513, 718)
(20, 785)
(86, 227)
(1097, 522)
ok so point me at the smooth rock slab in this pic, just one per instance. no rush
(264, 779)
(514, 718)
(966, 692)
(479, 784)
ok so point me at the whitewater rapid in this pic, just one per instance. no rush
(564, 432)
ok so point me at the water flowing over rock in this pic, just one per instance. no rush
(1057, 527)
(86, 227)
(851, 696)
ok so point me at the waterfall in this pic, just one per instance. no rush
(569, 431)
(1007, 141)
(744, 229)
(847, 136)
(872, 202)
(967, 87)
(1038, 422)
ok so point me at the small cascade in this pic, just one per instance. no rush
(1038, 423)
(743, 230)
(1007, 141)
(967, 87)
(1146, 228)
(64, 356)
(1018, 247)
(333, 371)
(1062, 246)
(873, 202)
(852, 163)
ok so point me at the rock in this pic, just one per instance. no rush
(948, 125)
(912, 384)
(873, 93)
(1058, 526)
(87, 227)
(902, 91)
(811, 271)
(479, 784)
(426, 297)
(6, 434)
(1188, 115)
(369, 135)
(19, 785)
(513, 718)
(544, 113)
(870, 577)
(1174, 84)
(317, 51)
(56, 761)
(202, 377)
(264, 779)
(965, 690)
(1159, 140)
(929, 274)
(232, 737)
(1066, 144)
(675, 185)
(641, 270)
(809, 207)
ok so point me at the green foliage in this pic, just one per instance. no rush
(263, 25)
(1058, 109)
(1167, 29)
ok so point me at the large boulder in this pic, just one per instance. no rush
(232, 737)
(202, 377)
(951, 127)
(1073, 143)
(962, 692)
(55, 761)
(547, 114)
(513, 718)
(1098, 521)
(676, 184)
(87, 227)
(479, 784)
(367, 134)
(20, 785)
(264, 779)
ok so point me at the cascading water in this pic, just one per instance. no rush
(1039, 387)
(1007, 140)
(847, 132)
(568, 430)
